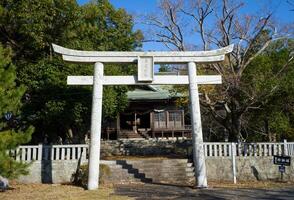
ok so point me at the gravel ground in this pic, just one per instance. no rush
(231, 192)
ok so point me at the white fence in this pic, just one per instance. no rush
(211, 149)
(51, 152)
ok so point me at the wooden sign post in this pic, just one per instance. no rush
(145, 61)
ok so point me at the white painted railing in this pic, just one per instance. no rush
(290, 148)
(51, 152)
(211, 149)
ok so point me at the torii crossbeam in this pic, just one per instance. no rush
(145, 61)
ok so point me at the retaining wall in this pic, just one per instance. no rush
(254, 161)
(218, 169)
(181, 147)
(248, 168)
(47, 171)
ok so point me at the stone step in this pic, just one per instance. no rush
(118, 168)
(170, 180)
(132, 173)
(158, 165)
(167, 174)
(160, 161)
(115, 166)
(158, 176)
(171, 173)
(161, 165)
(122, 180)
(180, 183)
(130, 135)
(125, 176)
(165, 170)
(189, 164)
(160, 168)
(122, 176)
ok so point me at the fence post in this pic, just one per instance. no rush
(285, 147)
(84, 154)
(17, 153)
(40, 151)
(233, 153)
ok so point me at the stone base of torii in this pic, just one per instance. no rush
(145, 76)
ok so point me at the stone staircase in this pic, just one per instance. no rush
(144, 132)
(118, 174)
(131, 134)
(127, 134)
(161, 171)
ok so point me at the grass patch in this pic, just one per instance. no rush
(57, 192)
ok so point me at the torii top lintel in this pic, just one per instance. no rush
(71, 55)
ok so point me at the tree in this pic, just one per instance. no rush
(273, 120)
(13, 131)
(54, 108)
(218, 24)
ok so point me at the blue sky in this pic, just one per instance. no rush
(137, 7)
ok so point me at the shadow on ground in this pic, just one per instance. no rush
(161, 191)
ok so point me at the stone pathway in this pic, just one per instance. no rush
(164, 192)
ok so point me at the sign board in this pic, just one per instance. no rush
(282, 168)
(8, 115)
(145, 68)
(282, 160)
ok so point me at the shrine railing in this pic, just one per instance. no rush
(51, 152)
(248, 149)
(211, 149)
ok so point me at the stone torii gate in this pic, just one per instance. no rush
(145, 62)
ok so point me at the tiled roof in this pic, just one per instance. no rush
(149, 92)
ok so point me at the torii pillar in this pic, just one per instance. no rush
(96, 119)
(145, 61)
(197, 136)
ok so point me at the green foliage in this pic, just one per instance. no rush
(80, 178)
(29, 28)
(10, 101)
(9, 95)
(10, 140)
(104, 28)
(271, 77)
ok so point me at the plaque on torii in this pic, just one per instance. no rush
(145, 62)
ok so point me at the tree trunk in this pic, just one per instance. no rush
(267, 131)
(235, 133)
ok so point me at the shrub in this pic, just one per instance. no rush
(80, 178)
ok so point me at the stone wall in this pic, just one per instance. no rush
(248, 168)
(218, 169)
(47, 171)
(152, 147)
